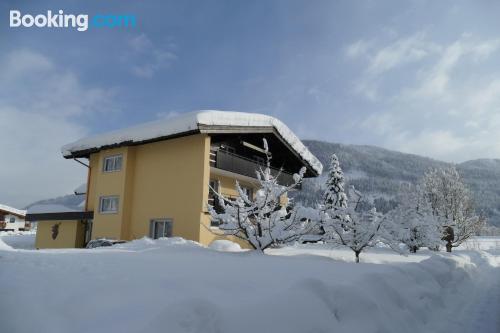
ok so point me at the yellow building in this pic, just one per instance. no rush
(154, 179)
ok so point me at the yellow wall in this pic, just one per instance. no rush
(70, 234)
(158, 180)
(111, 225)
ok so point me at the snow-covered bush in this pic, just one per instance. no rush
(451, 202)
(265, 220)
(412, 221)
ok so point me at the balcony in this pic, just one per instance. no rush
(241, 165)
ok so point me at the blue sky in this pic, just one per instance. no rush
(414, 76)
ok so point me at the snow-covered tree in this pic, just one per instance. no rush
(412, 221)
(356, 228)
(452, 204)
(344, 219)
(265, 220)
(334, 196)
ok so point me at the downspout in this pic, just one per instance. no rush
(88, 182)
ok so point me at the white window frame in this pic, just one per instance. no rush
(113, 158)
(105, 197)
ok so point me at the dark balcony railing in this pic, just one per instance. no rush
(241, 165)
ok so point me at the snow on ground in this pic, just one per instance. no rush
(174, 285)
(18, 239)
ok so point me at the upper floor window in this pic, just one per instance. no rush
(248, 191)
(108, 204)
(12, 220)
(212, 190)
(112, 163)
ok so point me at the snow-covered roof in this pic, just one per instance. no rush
(50, 208)
(192, 122)
(82, 189)
(13, 211)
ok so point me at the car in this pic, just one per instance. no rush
(103, 242)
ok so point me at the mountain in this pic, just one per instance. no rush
(378, 173)
(70, 200)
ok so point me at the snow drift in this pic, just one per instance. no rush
(174, 285)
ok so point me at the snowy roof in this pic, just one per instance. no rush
(197, 121)
(82, 189)
(13, 211)
(50, 208)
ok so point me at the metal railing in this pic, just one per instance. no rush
(241, 165)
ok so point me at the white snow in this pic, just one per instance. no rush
(174, 285)
(17, 239)
(225, 245)
(50, 208)
(190, 122)
(12, 210)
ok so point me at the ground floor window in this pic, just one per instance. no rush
(160, 228)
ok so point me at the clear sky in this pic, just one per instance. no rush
(415, 76)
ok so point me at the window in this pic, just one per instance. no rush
(212, 190)
(213, 201)
(248, 191)
(12, 220)
(108, 205)
(112, 163)
(229, 149)
(160, 228)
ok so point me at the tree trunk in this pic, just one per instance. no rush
(448, 247)
(357, 257)
(413, 249)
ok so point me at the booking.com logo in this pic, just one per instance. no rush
(61, 20)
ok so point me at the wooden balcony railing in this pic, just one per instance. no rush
(241, 165)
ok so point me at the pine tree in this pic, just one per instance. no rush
(334, 195)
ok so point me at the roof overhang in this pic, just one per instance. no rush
(11, 213)
(85, 153)
(62, 216)
(210, 129)
(208, 121)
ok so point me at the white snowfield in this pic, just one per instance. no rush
(174, 285)
(190, 122)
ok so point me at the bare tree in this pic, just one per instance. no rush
(451, 203)
(412, 221)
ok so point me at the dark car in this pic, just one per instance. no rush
(103, 242)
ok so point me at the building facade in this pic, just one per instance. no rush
(12, 219)
(145, 182)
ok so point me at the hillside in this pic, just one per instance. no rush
(378, 172)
